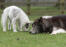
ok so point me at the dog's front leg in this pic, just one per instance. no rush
(9, 24)
(19, 25)
(14, 25)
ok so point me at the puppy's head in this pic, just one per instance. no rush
(37, 26)
(40, 25)
(27, 26)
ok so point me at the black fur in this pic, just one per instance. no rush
(44, 25)
(59, 21)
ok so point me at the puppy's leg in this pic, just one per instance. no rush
(19, 25)
(53, 33)
(14, 25)
(58, 31)
(3, 21)
(9, 24)
(4, 27)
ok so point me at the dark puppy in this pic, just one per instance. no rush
(53, 25)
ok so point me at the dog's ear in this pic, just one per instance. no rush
(40, 19)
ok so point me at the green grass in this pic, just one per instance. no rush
(24, 39)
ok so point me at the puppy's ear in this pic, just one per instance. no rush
(40, 19)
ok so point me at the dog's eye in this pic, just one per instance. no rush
(27, 25)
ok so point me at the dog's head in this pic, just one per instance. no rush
(40, 25)
(27, 26)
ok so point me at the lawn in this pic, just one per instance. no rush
(25, 39)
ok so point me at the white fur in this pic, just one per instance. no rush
(47, 17)
(56, 30)
(13, 14)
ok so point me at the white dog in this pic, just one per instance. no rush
(13, 14)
